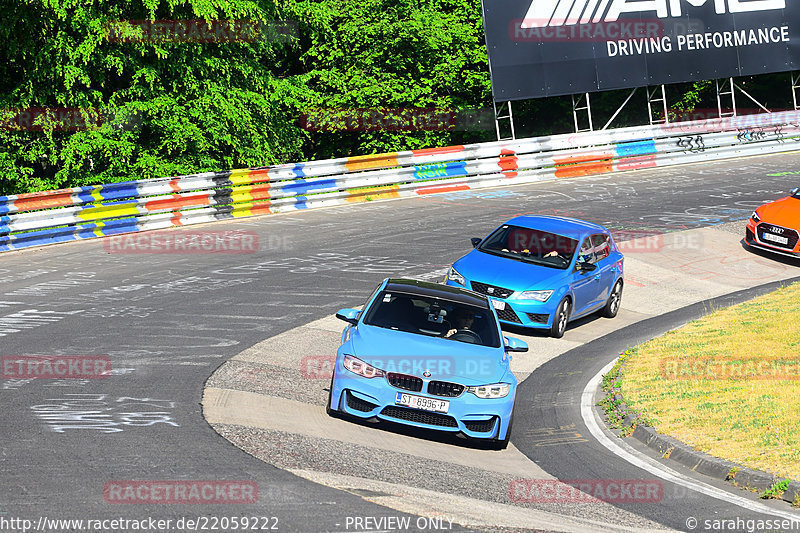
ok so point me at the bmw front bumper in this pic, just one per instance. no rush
(374, 398)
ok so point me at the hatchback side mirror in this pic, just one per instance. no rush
(475, 241)
(586, 267)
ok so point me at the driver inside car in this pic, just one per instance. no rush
(462, 319)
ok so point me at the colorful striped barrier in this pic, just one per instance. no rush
(64, 215)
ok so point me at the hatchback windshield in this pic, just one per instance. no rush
(425, 315)
(532, 245)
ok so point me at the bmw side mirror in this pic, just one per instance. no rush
(348, 315)
(515, 345)
(475, 241)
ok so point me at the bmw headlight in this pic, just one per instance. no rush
(539, 296)
(357, 366)
(496, 390)
(453, 275)
(755, 217)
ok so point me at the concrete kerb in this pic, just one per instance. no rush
(711, 466)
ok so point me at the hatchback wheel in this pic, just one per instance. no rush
(560, 319)
(614, 300)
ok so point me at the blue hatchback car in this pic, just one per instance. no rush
(430, 356)
(544, 271)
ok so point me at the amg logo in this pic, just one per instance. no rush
(569, 12)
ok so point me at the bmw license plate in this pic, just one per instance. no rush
(421, 402)
(774, 238)
(498, 304)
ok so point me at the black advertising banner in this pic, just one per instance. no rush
(540, 48)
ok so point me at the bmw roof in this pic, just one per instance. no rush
(555, 224)
(436, 290)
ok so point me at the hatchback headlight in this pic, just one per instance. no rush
(453, 275)
(496, 390)
(539, 296)
(357, 366)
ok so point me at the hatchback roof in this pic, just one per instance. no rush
(556, 224)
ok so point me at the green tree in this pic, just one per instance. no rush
(168, 107)
(390, 55)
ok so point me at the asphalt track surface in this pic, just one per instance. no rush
(166, 321)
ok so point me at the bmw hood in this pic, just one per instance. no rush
(508, 273)
(444, 359)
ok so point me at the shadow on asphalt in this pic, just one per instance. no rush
(544, 333)
(778, 258)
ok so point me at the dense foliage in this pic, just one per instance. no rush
(168, 107)
(140, 106)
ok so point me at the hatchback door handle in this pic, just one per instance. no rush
(597, 277)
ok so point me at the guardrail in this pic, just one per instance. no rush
(47, 217)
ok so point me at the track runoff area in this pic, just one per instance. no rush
(221, 328)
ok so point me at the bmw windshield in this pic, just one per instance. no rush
(530, 245)
(435, 317)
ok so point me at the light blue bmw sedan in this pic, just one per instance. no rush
(430, 356)
(544, 271)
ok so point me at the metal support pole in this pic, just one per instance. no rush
(651, 99)
(619, 110)
(587, 108)
(730, 93)
(498, 117)
(753, 99)
(795, 85)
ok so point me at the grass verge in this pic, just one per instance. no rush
(727, 384)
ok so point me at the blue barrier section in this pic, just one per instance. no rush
(636, 148)
(302, 186)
